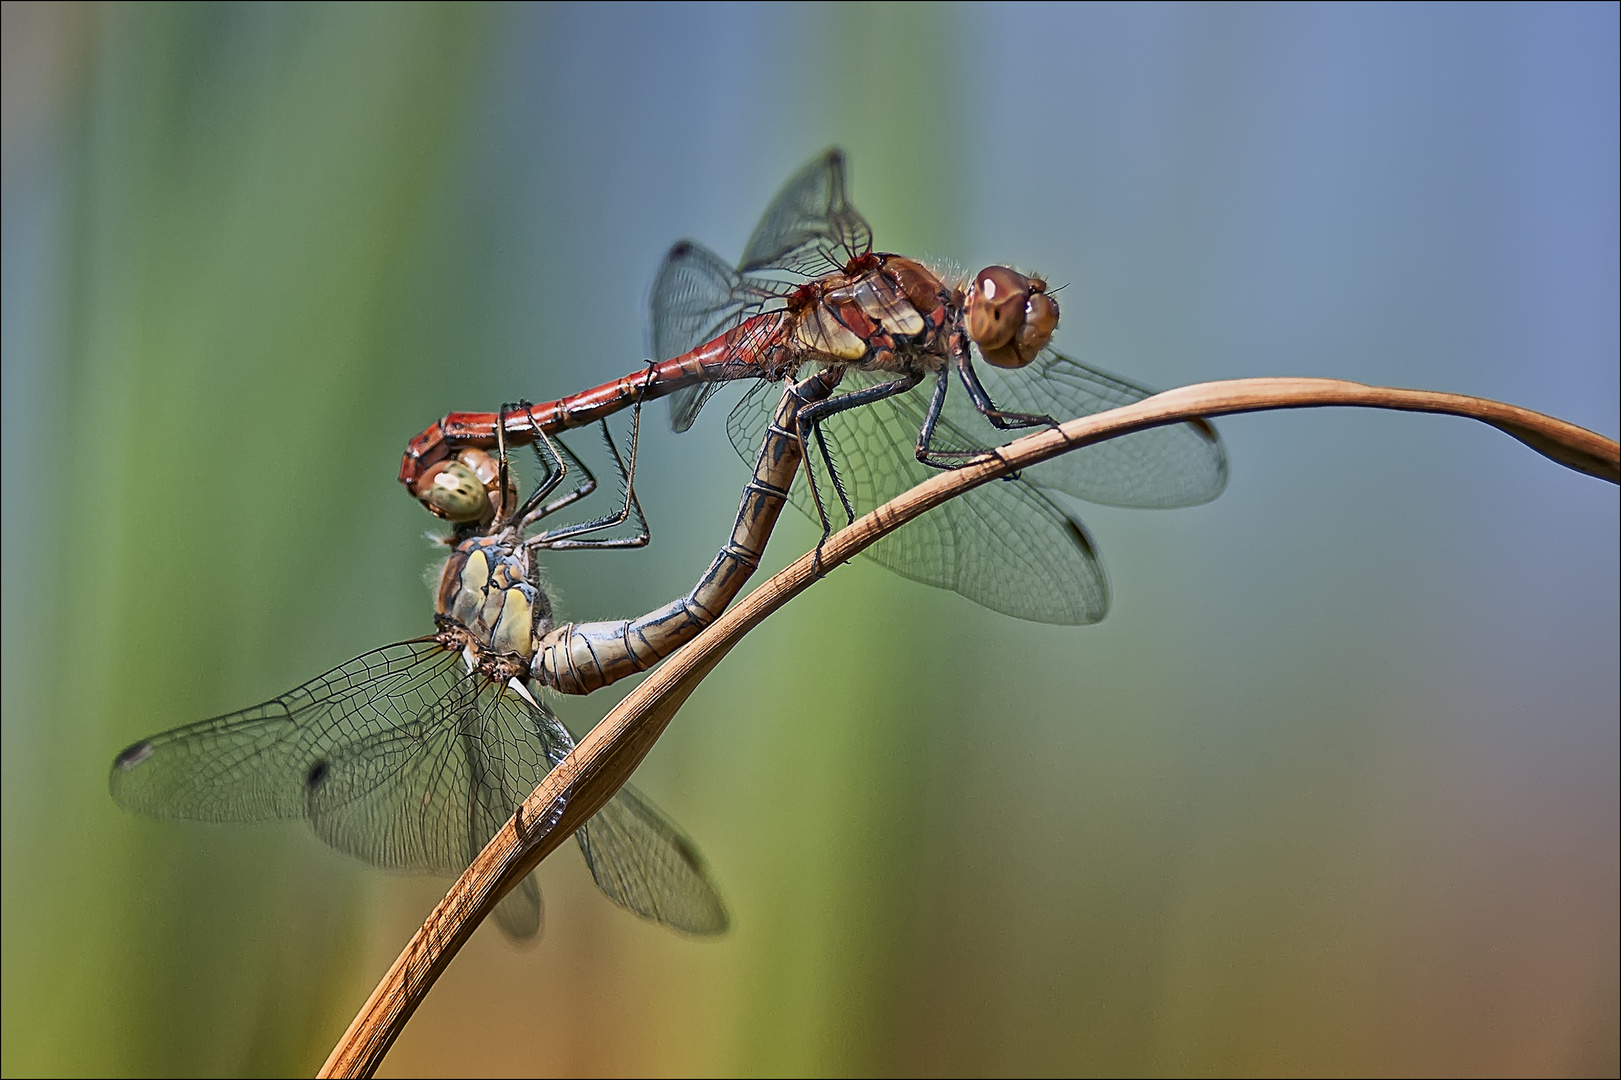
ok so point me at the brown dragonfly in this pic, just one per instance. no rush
(412, 756)
(810, 291)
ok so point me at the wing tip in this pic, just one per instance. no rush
(1081, 538)
(1206, 430)
(133, 755)
(1098, 608)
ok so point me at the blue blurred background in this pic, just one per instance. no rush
(1333, 789)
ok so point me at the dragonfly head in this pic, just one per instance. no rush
(463, 488)
(1010, 316)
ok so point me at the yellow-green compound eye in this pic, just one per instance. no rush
(451, 490)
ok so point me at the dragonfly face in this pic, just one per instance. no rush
(463, 488)
(1009, 316)
(890, 313)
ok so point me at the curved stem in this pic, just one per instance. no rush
(606, 757)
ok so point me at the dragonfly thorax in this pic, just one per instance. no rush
(881, 312)
(486, 591)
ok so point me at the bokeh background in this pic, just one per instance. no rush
(1332, 790)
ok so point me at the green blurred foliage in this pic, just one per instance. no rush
(247, 215)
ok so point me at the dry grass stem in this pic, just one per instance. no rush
(605, 758)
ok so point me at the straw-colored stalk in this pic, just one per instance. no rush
(606, 757)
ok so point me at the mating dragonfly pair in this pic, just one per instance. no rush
(412, 756)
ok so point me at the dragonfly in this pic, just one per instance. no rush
(811, 293)
(412, 756)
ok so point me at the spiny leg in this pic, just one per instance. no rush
(563, 456)
(503, 474)
(550, 479)
(589, 484)
(999, 418)
(567, 537)
(926, 453)
(833, 474)
(810, 419)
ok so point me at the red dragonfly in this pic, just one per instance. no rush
(810, 292)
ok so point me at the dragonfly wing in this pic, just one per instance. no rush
(810, 228)
(482, 750)
(642, 861)
(1175, 465)
(687, 402)
(1008, 547)
(519, 914)
(366, 723)
(502, 762)
(1003, 545)
(404, 759)
(749, 418)
(398, 757)
(696, 297)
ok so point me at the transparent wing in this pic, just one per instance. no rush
(810, 228)
(687, 402)
(402, 758)
(399, 757)
(697, 297)
(642, 861)
(519, 914)
(1175, 465)
(1003, 545)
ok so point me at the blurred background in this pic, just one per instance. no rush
(1332, 790)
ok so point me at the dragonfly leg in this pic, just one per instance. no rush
(589, 484)
(573, 537)
(926, 453)
(833, 475)
(532, 510)
(810, 419)
(550, 479)
(999, 418)
(564, 458)
(581, 657)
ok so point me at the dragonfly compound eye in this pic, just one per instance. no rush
(1040, 320)
(995, 307)
(451, 490)
(1010, 317)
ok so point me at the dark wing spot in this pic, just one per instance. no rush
(688, 853)
(134, 755)
(681, 250)
(317, 773)
(1077, 533)
(1205, 428)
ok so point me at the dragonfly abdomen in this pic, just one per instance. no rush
(581, 657)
